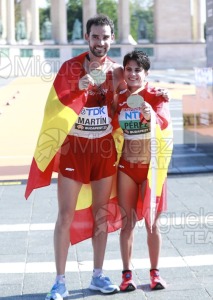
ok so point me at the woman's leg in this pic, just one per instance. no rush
(154, 242)
(128, 196)
(153, 236)
(154, 246)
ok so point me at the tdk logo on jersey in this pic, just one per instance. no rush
(95, 111)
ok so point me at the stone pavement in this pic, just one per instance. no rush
(27, 260)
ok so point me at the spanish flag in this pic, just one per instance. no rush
(161, 151)
(64, 103)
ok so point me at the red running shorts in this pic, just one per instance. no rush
(137, 171)
(87, 160)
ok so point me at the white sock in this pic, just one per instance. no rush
(97, 272)
(60, 278)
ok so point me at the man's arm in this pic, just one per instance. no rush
(118, 79)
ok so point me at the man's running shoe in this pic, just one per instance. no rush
(157, 283)
(127, 284)
(103, 284)
(58, 292)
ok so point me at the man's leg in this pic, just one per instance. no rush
(101, 190)
(68, 191)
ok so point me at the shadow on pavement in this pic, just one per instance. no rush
(74, 294)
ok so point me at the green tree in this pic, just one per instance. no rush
(17, 11)
(109, 7)
(74, 11)
(139, 9)
(43, 14)
(142, 10)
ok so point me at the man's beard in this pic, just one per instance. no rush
(97, 53)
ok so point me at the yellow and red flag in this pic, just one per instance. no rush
(64, 103)
(161, 151)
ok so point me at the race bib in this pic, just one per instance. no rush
(132, 122)
(92, 119)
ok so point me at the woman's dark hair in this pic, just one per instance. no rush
(140, 57)
(100, 19)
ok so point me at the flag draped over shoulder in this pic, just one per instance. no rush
(161, 152)
(156, 180)
(64, 103)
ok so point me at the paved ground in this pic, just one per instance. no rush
(27, 260)
(27, 266)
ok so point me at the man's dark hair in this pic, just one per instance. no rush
(100, 19)
(140, 57)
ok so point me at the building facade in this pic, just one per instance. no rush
(179, 33)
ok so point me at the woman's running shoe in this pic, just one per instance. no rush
(127, 284)
(157, 283)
